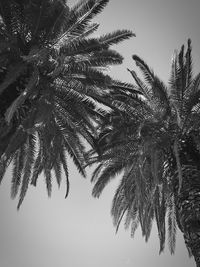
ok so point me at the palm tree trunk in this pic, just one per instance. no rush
(188, 209)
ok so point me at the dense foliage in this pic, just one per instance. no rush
(154, 140)
(53, 86)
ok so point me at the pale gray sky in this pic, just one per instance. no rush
(78, 231)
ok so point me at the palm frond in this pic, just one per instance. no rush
(156, 131)
(188, 64)
(39, 162)
(171, 225)
(107, 174)
(89, 8)
(18, 161)
(54, 89)
(65, 167)
(58, 170)
(115, 37)
(80, 16)
(48, 180)
(30, 154)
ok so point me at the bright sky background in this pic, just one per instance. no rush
(78, 232)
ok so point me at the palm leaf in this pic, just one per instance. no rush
(115, 37)
(30, 154)
(107, 174)
(58, 170)
(171, 225)
(18, 161)
(80, 18)
(48, 180)
(65, 167)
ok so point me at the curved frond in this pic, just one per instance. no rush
(107, 174)
(115, 37)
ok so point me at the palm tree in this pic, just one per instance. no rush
(53, 86)
(154, 140)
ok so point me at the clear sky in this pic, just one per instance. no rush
(78, 231)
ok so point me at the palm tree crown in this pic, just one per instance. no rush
(154, 139)
(52, 80)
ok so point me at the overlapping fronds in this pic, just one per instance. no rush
(53, 87)
(151, 136)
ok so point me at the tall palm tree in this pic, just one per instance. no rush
(154, 140)
(53, 86)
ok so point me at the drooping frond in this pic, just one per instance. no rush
(172, 224)
(18, 161)
(65, 167)
(107, 174)
(76, 152)
(38, 167)
(48, 180)
(58, 170)
(29, 159)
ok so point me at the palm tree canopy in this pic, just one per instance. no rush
(153, 139)
(52, 86)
